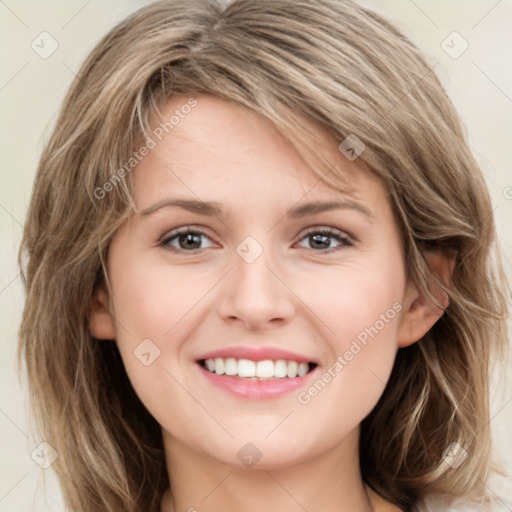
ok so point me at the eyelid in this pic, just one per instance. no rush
(345, 238)
(179, 231)
(164, 240)
(332, 231)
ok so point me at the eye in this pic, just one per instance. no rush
(321, 239)
(186, 239)
(189, 240)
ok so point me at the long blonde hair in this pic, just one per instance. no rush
(301, 63)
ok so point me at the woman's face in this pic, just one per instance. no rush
(258, 276)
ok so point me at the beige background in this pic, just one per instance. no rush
(31, 88)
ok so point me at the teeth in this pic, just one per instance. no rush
(291, 371)
(266, 369)
(246, 368)
(302, 369)
(219, 366)
(280, 368)
(230, 368)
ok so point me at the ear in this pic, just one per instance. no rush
(101, 322)
(419, 313)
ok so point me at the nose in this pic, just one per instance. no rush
(255, 295)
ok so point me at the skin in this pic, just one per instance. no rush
(294, 296)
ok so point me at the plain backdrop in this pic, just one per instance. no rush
(479, 81)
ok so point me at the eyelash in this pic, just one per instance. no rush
(345, 239)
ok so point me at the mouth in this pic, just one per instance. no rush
(267, 369)
(256, 380)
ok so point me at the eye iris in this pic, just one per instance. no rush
(190, 238)
(319, 239)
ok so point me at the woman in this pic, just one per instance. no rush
(328, 348)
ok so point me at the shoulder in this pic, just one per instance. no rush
(439, 503)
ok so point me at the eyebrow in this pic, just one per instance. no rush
(303, 210)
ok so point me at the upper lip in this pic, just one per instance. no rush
(256, 354)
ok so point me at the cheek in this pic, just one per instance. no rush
(356, 295)
(152, 299)
(360, 307)
(151, 306)
(157, 308)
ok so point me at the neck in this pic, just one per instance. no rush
(330, 482)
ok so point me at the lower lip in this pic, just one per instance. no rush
(255, 389)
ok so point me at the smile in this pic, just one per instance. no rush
(256, 380)
(257, 370)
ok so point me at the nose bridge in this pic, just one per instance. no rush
(254, 293)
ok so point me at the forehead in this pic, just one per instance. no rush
(209, 144)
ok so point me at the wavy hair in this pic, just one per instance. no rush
(303, 64)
